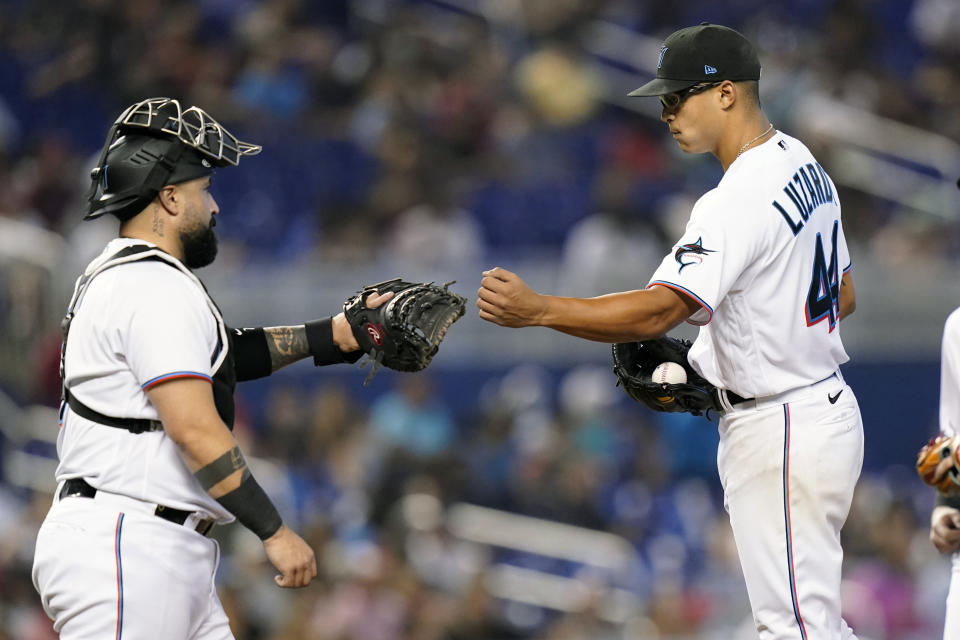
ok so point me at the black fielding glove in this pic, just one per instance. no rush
(405, 332)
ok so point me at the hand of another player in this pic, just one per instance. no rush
(292, 557)
(945, 529)
(343, 334)
(505, 299)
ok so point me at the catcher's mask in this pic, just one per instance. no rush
(152, 144)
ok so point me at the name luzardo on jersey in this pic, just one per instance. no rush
(808, 189)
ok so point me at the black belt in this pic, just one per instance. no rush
(732, 398)
(80, 487)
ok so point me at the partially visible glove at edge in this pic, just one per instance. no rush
(937, 463)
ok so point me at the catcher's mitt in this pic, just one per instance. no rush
(405, 332)
(929, 458)
(634, 362)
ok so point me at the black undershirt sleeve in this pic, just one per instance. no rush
(251, 357)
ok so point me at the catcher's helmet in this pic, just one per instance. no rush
(152, 144)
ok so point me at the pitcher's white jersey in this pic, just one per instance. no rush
(763, 254)
(137, 325)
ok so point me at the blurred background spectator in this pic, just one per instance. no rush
(512, 491)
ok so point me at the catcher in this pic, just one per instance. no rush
(938, 464)
(148, 460)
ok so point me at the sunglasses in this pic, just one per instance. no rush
(673, 100)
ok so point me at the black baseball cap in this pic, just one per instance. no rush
(704, 53)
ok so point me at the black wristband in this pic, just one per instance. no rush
(948, 501)
(322, 347)
(252, 507)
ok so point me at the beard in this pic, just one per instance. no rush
(199, 246)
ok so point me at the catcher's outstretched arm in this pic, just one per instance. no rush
(627, 316)
(260, 351)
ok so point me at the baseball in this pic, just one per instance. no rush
(670, 373)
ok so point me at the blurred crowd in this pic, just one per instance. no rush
(442, 132)
(400, 125)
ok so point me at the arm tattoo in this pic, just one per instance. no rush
(222, 468)
(286, 345)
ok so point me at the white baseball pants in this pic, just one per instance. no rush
(106, 567)
(788, 465)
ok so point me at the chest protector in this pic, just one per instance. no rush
(224, 378)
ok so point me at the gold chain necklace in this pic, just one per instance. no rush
(744, 147)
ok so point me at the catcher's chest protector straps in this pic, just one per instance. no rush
(224, 379)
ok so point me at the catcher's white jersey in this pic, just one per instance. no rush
(137, 325)
(763, 254)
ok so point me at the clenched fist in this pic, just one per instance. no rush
(505, 299)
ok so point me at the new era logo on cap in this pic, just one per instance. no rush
(707, 69)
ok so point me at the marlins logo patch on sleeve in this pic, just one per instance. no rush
(692, 253)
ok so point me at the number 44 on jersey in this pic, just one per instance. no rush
(823, 298)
